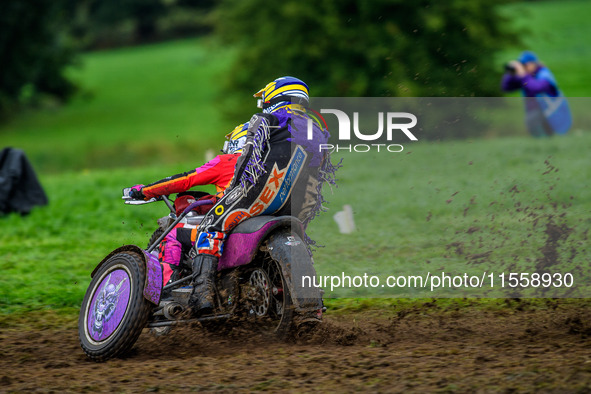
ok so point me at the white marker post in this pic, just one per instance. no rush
(345, 220)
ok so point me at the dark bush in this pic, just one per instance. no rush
(34, 49)
(365, 48)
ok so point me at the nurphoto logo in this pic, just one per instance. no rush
(396, 122)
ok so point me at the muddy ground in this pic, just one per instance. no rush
(517, 348)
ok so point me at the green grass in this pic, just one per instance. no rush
(138, 104)
(405, 219)
(158, 102)
(410, 208)
(557, 31)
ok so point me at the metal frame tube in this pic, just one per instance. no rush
(175, 322)
(178, 219)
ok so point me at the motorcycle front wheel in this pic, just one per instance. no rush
(114, 310)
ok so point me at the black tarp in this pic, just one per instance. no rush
(20, 189)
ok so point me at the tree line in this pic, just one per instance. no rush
(341, 47)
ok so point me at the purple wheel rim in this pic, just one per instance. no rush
(109, 304)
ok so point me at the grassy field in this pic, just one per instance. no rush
(137, 105)
(426, 200)
(556, 31)
(158, 102)
(148, 112)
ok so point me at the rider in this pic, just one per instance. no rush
(218, 172)
(280, 172)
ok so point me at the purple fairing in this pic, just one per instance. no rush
(239, 249)
(108, 305)
(153, 286)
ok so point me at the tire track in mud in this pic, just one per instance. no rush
(522, 346)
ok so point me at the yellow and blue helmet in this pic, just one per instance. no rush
(236, 139)
(282, 92)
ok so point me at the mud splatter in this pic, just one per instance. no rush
(551, 241)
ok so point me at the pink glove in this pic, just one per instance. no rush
(136, 193)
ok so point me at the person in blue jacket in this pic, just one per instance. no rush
(546, 109)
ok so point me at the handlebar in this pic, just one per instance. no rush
(128, 200)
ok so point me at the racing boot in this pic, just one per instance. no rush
(204, 269)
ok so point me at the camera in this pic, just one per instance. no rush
(510, 68)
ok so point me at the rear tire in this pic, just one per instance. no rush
(114, 310)
(268, 299)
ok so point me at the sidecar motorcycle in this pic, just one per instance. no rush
(260, 284)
